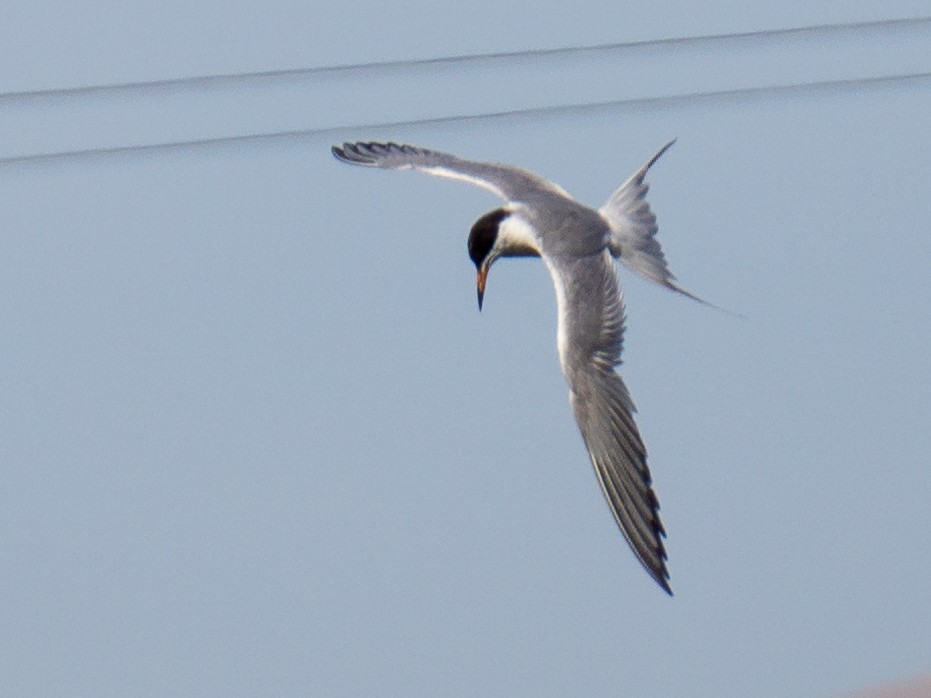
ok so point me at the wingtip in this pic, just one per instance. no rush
(338, 152)
(357, 153)
(367, 153)
(659, 572)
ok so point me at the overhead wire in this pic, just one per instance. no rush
(643, 102)
(204, 80)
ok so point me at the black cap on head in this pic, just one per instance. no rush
(483, 235)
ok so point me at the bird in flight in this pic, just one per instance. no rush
(578, 245)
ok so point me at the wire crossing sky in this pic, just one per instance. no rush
(203, 111)
(717, 41)
(853, 84)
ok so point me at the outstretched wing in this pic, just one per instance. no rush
(633, 230)
(591, 331)
(508, 182)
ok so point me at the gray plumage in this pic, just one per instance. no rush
(577, 245)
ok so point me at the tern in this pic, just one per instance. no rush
(578, 245)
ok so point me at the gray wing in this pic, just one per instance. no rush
(591, 331)
(508, 182)
(633, 230)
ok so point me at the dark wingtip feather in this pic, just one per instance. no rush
(368, 153)
(660, 574)
(354, 153)
(349, 153)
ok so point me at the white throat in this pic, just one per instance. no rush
(516, 236)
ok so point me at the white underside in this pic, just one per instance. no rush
(452, 174)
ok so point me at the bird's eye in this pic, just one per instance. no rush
(483, 235)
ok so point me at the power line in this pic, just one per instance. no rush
(205, 80)
(643, 102)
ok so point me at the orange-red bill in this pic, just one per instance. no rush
(480, 284)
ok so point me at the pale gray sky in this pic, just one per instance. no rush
(257, 439)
